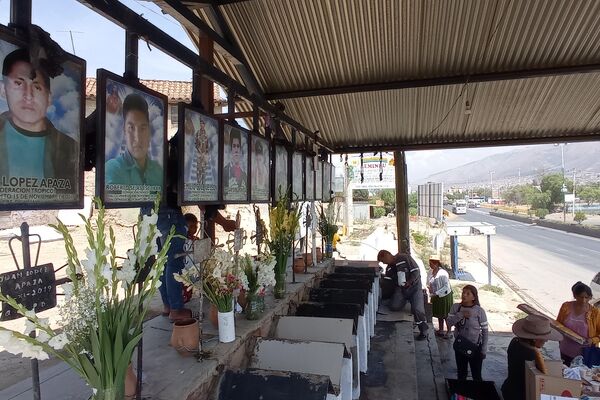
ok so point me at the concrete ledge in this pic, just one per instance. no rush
(169, 376)
(571, 228)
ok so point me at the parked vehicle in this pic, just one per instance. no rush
(459, 207)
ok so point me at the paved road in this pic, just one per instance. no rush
(542, 263)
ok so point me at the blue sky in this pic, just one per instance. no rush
(102, 43)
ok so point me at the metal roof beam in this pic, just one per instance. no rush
(555, 138)
(441, 81)
(225, 44)
(127, 19)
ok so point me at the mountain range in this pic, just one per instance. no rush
(528, 162)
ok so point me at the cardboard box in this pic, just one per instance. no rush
(537, 383)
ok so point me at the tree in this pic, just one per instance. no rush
(413, 200)
(553, 184)
(540, 201)
(389, 199)
(589, 193)
(521, 194)
(360, 195)
(541, 213)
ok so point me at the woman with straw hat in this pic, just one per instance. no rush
(438, 283)
(531, 334)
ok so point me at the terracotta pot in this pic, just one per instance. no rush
(185, 337)
(319, 255)
(130, 383)
(299, 265)
(213, 316)
(308, 258)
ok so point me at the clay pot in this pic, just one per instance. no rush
(308, 258)
(130, 383)
(186, 336)
(213, 316)
(319, 255)
(299, 265)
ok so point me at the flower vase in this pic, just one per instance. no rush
(226, 327)
(117, 392)
(255, 306)
(280, 275)
(328, 250)
(279, 288)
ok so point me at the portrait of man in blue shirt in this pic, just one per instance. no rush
(134, 166)
(31, 148)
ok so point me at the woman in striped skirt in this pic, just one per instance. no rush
(440, 293)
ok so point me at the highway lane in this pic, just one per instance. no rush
(582, 250)
(540, 263)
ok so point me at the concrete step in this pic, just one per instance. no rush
(430, 373)
(392, 364)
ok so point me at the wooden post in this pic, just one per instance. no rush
(402, 202)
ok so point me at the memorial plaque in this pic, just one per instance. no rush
(34, 288)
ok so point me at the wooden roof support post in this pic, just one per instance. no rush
(402, 202)
(20, 13)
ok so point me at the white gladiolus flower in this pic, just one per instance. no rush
(30, 314)
(106, 272)
(29, 327)
(42, 336)
(58, 342)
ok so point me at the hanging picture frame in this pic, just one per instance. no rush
(132, 142)
(235, 165)
(260, 169)
(42, 143)
(199, 157)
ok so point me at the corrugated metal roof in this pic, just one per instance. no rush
(295, 45)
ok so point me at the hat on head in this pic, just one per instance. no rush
(535, 327)
(434, 257)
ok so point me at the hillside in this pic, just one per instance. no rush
(533, 161)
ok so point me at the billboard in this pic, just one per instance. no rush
(430, 200)
(372, 166)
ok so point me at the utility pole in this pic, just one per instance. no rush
(573, 210)
(491, 185)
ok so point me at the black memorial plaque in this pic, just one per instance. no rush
(34, 288)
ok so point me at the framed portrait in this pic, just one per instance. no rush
(318, 179)
(199, 157)
(132, 142)
(281, 171)
(42, 111)
(309, 178)
(260, 172)
(327, 182)
(235, 164)
(298, 176)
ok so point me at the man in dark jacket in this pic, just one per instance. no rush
(407, 278)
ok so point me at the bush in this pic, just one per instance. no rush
(541, 213)
(580, 217)
(412, 212)
(494, 289)
(515, 211)
(530, 212)
(378, 212)
(496, 208)
(419, 238)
